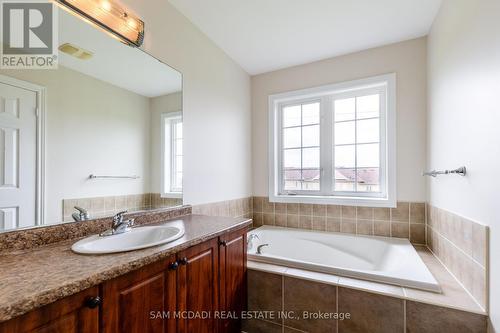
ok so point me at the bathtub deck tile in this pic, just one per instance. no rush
(372, 287)
(312, 276)
(453, 294)
(269, 268)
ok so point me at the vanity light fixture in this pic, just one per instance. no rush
(111, 16)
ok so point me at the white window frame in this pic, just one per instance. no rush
(167, 155)
(382, 84)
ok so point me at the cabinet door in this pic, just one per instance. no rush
(232, 268)
(74, 314)
(197, 288)
(139, 301)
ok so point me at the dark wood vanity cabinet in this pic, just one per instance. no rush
(198, 290)
(232, 280)
(136, 302)
(78, 313)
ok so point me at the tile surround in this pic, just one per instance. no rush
(107, 206)
(462, 246)
(407, 220)
(233, 208)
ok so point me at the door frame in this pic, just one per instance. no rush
(41, 107)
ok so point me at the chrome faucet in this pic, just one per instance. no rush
(82, 215)
(259, 248)
(119, 226)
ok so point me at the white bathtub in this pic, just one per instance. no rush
(381, 259)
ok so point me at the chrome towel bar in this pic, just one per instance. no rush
(462, 171)
(113, 177)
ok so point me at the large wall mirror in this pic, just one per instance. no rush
(99, 135)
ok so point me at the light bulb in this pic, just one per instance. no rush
(132, 23)
(106, 6)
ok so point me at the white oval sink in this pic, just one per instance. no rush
(137, 238)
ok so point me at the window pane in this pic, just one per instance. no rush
(291, 137)
(291, 116)
(292, 179)
(292, 174)
(369, 179)
(291, 158)
(310, 113)
(310, 136)
(178, 147)
(344, 133)
(344, 109)
(293, 185)
(344, 179)
(368, 106)
(368, 130)
(368, 155)
(345, 156)
(178, 163)
(310, 158)
(178, 180)
(310, 179)
(178, 130)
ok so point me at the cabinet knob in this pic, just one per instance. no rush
(93, 302)
(183, 261)
(173, 265)
(223, 243)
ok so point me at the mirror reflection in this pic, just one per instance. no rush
(99, 135)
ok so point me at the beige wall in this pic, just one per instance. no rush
(90, 127)
(406, 59)
(158, 105)
(216, 105)
(464, 118)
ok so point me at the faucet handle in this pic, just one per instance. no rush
(81, 210)
(118, 218)
(251, 237)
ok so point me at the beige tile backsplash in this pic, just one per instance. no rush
(234, 208)
(405, 221)
(462, 246)
(105, 206)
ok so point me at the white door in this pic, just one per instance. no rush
(18, 148)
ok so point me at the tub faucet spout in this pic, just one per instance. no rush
(259, 248)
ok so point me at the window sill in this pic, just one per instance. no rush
(173, 195)
(335, 200)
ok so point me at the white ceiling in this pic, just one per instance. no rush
(114, 62)
(265, 35)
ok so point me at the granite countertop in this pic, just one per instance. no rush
(32, 278)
